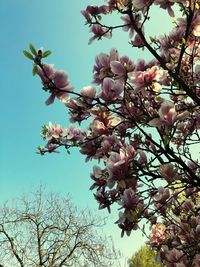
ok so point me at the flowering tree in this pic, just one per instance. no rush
(143, 124)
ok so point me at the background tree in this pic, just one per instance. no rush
(144, 257)
(46, 230)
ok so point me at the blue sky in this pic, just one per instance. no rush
(58, 26)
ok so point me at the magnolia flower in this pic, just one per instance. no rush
(88, 91)
(74, 134)
(98, 127)
(148, 78)
(158, 234)
(138, 42)
(46, 73)
(168, 172)
(102, 65)
(140, 4)
(128, 26)
(61, 79)
(111, 90)
(167, 115)
(96, 10)
(166, 5)
(53, 130)
(121, 67)
(129, 198)
(120, 3)
(162, 195)
(174, 255)
(98, 32)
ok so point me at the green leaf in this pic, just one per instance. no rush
(166, 140)
(28, 55)
(46, 53)
(33, 50)
(34, 71)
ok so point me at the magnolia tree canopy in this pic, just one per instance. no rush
(143, 124)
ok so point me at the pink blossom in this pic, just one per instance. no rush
(118, 69)
(118, 163)
(148, 78)
(53, 131)
(102, 67)
(168, 172)
(174, 255)
(61, 80)
(47, 73)
(167, 112)
(74, 134)
(96, 10)
(129, 199)
(167, 115)
(128, 26)
(111, 90)
(158, 234)
(98, 32)
(138, 42)
(88, 91)
(196, 261)
(98, 127)
(141, 4)
(166, 5)
(162, 195)
(87, 16)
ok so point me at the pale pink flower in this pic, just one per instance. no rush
(96, 10)
(138, 42)
(61, 79)
(98, 32)
(128, 26)
(98, 127)
(118, 163)
(167, 112)
(141, 4)
(196, 261)
(86, 14)
(118, 69)
(166, 5)
(158, 234)
(88, 91)
(47, 73)
(168, 172)
(102, 67)
(174, 255)
(121, 67)
(53, 131)
(196, 29)
(148, 78)
(74, 133)
(111, 90)
(129, 199)
(162, 195)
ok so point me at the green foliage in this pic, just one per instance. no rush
(33, 50)
(34, 71)
(28, 55)
(145, 257)
(46, 53)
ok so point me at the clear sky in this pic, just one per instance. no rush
(56, 25)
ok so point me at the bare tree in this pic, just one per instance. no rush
(46, 230)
